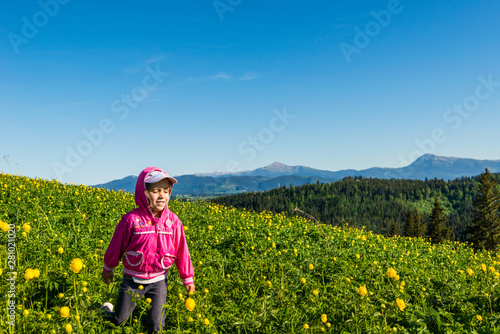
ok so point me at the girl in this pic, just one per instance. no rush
(150, 239)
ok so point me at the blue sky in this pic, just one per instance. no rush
(95, 91)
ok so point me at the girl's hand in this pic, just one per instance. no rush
(107, 276)
(189, 288)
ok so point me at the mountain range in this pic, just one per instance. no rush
(277, 174)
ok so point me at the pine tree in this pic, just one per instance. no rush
(393, 230)
(484, 232)
(409, 225)
(437, 230)
(420, 226)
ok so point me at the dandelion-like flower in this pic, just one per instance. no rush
(483, 266)
(60, 250)
(391, 273)
(362, 291)
(76, 265)
(311, 266)
(306, 326)
(27, 227)
(68, 328)
(36, 273)
(480, 318)
(29, 274)
(401, 304)
(315, 292)
(324, 319)
(190, 304)
(4, 226)
(64, 311)
(303, 280)
(206, 322)
(470, 271)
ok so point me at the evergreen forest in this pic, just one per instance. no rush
(378, 205)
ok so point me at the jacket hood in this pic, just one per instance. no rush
(140, 196)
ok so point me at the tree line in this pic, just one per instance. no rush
(437, 209)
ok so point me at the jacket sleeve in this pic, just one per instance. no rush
(183, 260)
(117, 245)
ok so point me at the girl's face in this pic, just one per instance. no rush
(159, 195)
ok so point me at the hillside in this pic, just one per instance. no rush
(373, 203)
(254, 273)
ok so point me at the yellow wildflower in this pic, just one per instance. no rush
(324, 318)
(480, 318)
(470, 271)
(362, 291)
(76, 265)
(64, 311)
(29, 274)
(391, 273)
(190, 304)
(311, 266)
(401, 304)
(303, 280)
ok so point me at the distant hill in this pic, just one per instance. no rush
(277, 174)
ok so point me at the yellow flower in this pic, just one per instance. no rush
(324, 318)
(1, 271)
(357, 256)
(29, 274)
(480, 318)
(306, 326)
(396, 277)
(68, 328)
(483, 266)
(210, 227)
(64, 311)
(311, 266)
(190, 319)
(27, 227)
(470, 271)
(26, 312)
(303, 280)
(315, 292)
(140, 287)
(190, 304)
(148, 300)
(60, 250)
(206, 322)
(401, 304)
(36, 273)
(391, 273)
(84, 289)
(60, 295)
(4, 226)
(362, 291)
(76, 265)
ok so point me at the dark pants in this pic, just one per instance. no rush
(155, 319)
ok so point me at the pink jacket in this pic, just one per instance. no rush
(148, 245)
